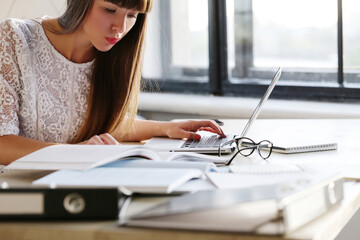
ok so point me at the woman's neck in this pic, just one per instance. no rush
(74, 46)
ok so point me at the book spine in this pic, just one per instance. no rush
(59, 204)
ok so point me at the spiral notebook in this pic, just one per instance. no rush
(306, 148)
(298, 148)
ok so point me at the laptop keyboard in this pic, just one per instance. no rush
(212, 141)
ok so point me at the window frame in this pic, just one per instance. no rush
(250, 82)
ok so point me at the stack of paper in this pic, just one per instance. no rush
(143, 180)
(268, 209)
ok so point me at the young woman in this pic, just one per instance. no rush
(75, 79)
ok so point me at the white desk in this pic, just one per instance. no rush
(296, 132)
(344, 132)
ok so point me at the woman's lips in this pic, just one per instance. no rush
(112, 40)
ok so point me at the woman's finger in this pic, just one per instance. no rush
(191, 135)
(209, 124)
(208, 129)
(95, 140)
(108, 139)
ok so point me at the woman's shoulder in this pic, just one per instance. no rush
(15, 24)
(18, 29)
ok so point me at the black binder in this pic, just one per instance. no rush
(59, 203)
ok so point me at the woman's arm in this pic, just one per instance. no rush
(145, 129)
(13, 147)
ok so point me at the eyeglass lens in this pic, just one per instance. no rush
(246, 146)
(264, 149)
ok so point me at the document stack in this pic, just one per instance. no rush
(270, 209)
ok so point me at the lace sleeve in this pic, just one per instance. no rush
(9, 80)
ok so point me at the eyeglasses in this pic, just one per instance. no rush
(245, 146)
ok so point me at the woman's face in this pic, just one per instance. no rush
(107, 23)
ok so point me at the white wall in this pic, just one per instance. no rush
(26, 9)
(165, 106)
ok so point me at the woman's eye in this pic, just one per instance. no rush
(110, 10)
(132, 15)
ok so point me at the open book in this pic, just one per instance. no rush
(83, 157)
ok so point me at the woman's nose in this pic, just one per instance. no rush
(120, 25)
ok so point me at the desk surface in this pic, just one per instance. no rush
(326, 227)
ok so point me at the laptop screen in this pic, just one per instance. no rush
(261, 103)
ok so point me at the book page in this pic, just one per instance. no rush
(78, 156)
(142, 180)
(244, 176)
(196, 157)
(136, 162)
(266, 169)
(235, 181)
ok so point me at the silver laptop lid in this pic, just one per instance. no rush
(261, 103)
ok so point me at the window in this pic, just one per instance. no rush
(229, 47)
(296, 37)
(351, 15)
(179, 30)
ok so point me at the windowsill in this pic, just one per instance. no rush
(239, 107)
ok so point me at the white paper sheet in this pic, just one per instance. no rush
(142, 180)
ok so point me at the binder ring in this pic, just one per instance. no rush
(74, 203)
(331, 189)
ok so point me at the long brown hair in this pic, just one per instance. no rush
(116, 74)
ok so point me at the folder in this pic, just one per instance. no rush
(135, 180)
(269, 209)
(59, 204)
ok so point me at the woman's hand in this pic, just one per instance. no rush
(103, 139)
(188, 129)
(146, 129)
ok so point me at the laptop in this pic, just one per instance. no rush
(209, 143)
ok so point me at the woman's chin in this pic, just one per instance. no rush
(105, 48)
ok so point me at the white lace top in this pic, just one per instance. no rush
(43, 95)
